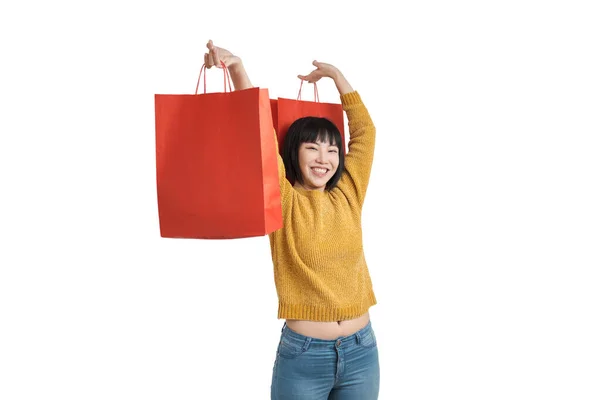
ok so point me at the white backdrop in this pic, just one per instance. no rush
(481, 226)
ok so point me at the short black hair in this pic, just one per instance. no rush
(310, 130)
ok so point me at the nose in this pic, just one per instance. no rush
(322, 155)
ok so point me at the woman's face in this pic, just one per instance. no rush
(318, 163)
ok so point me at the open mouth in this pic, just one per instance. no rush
(319, 171)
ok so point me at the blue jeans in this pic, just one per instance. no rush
(346, 368)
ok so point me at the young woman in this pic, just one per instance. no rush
(327, 348)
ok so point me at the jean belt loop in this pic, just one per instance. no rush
(358, 338)
(306, 343)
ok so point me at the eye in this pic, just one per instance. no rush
(333, 151)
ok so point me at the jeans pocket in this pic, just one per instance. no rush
(368, 340)
(289, 350)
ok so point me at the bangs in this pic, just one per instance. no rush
(314, 134)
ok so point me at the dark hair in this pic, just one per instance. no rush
(311, 130)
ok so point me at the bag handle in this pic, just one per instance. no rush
(226, 78)
(316, 91)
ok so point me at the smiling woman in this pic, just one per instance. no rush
(327, 348)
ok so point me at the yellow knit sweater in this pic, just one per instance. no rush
(319, 265)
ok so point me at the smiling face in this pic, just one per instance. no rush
(318, 163)
(313, 154)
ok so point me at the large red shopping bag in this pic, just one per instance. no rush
(216, 164)
(285, 111)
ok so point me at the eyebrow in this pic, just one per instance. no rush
(324, 143)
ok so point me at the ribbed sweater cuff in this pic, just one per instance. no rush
(351, 98)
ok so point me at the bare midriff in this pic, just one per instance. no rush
(328, 330)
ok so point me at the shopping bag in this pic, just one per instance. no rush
(216, 164)
(285, 111)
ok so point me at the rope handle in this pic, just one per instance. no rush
(315, 90)
(226, 78)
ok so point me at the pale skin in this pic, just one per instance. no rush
(318, 162)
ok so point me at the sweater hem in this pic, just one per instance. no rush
(324, 313)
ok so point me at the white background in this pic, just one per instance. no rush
(481, 226)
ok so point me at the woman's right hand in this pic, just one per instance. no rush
(327, 70)
(323, 70)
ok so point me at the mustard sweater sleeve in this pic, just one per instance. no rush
(284, 185)
(359, 159)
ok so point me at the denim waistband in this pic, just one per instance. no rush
(342, 341)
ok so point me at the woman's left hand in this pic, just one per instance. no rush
(217, 54)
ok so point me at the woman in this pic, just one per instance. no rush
(327, 348)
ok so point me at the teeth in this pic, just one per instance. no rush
(320, 170)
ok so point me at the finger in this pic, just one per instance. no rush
(206, 60)
(309, 78)
(209, 60)
(209, 44)
(314, 76)
(215, 57)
